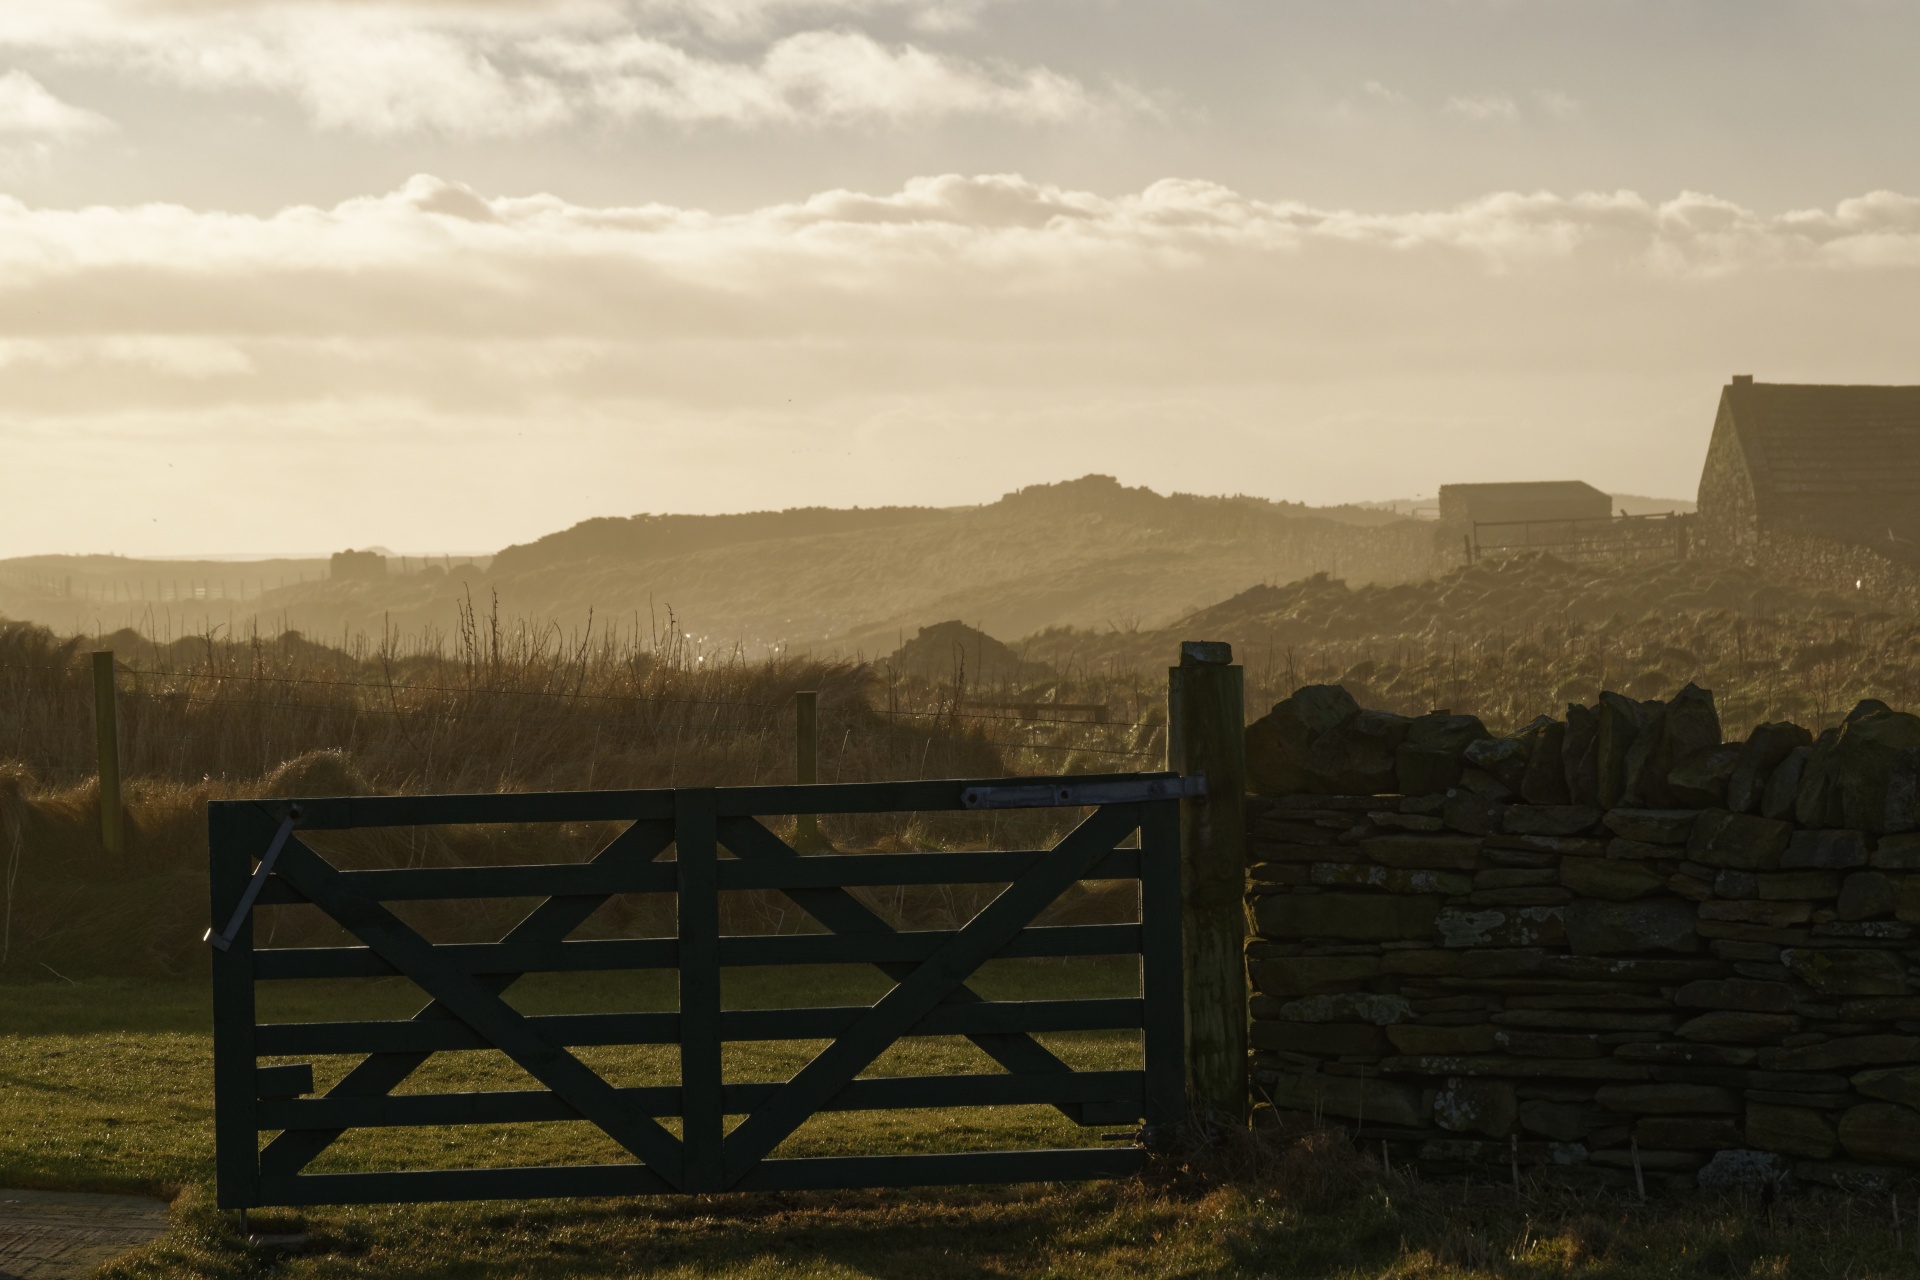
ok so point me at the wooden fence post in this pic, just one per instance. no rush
(106, 732)
(806, 755)
(1206, 727)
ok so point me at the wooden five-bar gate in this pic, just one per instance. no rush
(259, 858)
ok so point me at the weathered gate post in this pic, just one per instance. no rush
(1206, 727)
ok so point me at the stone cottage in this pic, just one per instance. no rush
(1818, 481)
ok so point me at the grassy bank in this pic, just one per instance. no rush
(104, 1086)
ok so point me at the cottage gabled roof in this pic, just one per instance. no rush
(1840, 462)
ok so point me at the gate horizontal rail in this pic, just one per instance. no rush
(257, 850)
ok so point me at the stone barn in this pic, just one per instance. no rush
(1466, 504)
(1818, 481)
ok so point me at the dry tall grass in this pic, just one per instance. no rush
(500, 705)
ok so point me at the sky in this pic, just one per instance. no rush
(450, 275)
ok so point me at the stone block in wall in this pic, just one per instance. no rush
(1742, 1169)
(1327, 1039)
(1652, 826)
(1669, 1099)
(1579, 755)
(1827, 850)
(1506, 1066)
(1619, 722)
(1279, 744)
(1843, 1053)
(1426, 962)
(1391, 879)
(1683, 1054)
(1881, 1009)
(1688, 1133)
(1432, 756)
(1906, 898)
(1650, 970)
(1372, 1008)
(1561, 1121)
(1881, 1133)
(1468, 1105)
(1896, 853)
(1308, 975)
(1741, 841)
(1866, 895)
(1472, 813)
(1676, 731)
(1834, 972)
(1549, 819)
(1817, 802)
(1424, 852)
(1501, 927)
(1731, 1026)
(1795, 886)
(1515, 878)
(1503, 759)
(1781, 796)
(1891, 1084)
(1352, 1097)
(1723, 930)
(1548, 1044)
(1614, 879)
(1640, 850)
(1585, 1020)
(1545, 780)
(1793, 1131)
(1367, 917)
(1356, 757)
(1416, 1039)
(1772, 915)
(1734, 993)
(1701, 780)
(1875, 770)
(1760, 755)
(1607, 928)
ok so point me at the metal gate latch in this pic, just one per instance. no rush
(223, 940)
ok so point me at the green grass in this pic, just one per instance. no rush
(104, 1086)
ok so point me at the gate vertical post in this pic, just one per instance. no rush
(1206, 734)
(236, 832)
(1163, 1027)
(702, 1114)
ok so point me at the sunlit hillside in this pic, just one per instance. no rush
(1086, 553)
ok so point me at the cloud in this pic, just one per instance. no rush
(420, 286)
(1556, 104)
(1374, 89)
(1484, 106)
(936, 342)
(27, 110)
(818, 76)
(495, 70)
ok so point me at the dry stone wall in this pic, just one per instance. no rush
(1609, 947)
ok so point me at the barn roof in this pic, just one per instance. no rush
(1840, 462)
(1523, 500)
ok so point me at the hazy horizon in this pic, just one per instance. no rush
(462, 273)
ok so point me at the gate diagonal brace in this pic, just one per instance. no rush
(842, 913)
(931, 981)
(381, 1073)
(485, 1012)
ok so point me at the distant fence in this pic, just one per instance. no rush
(1608, 539)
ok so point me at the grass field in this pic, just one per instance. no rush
(104, 1086)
